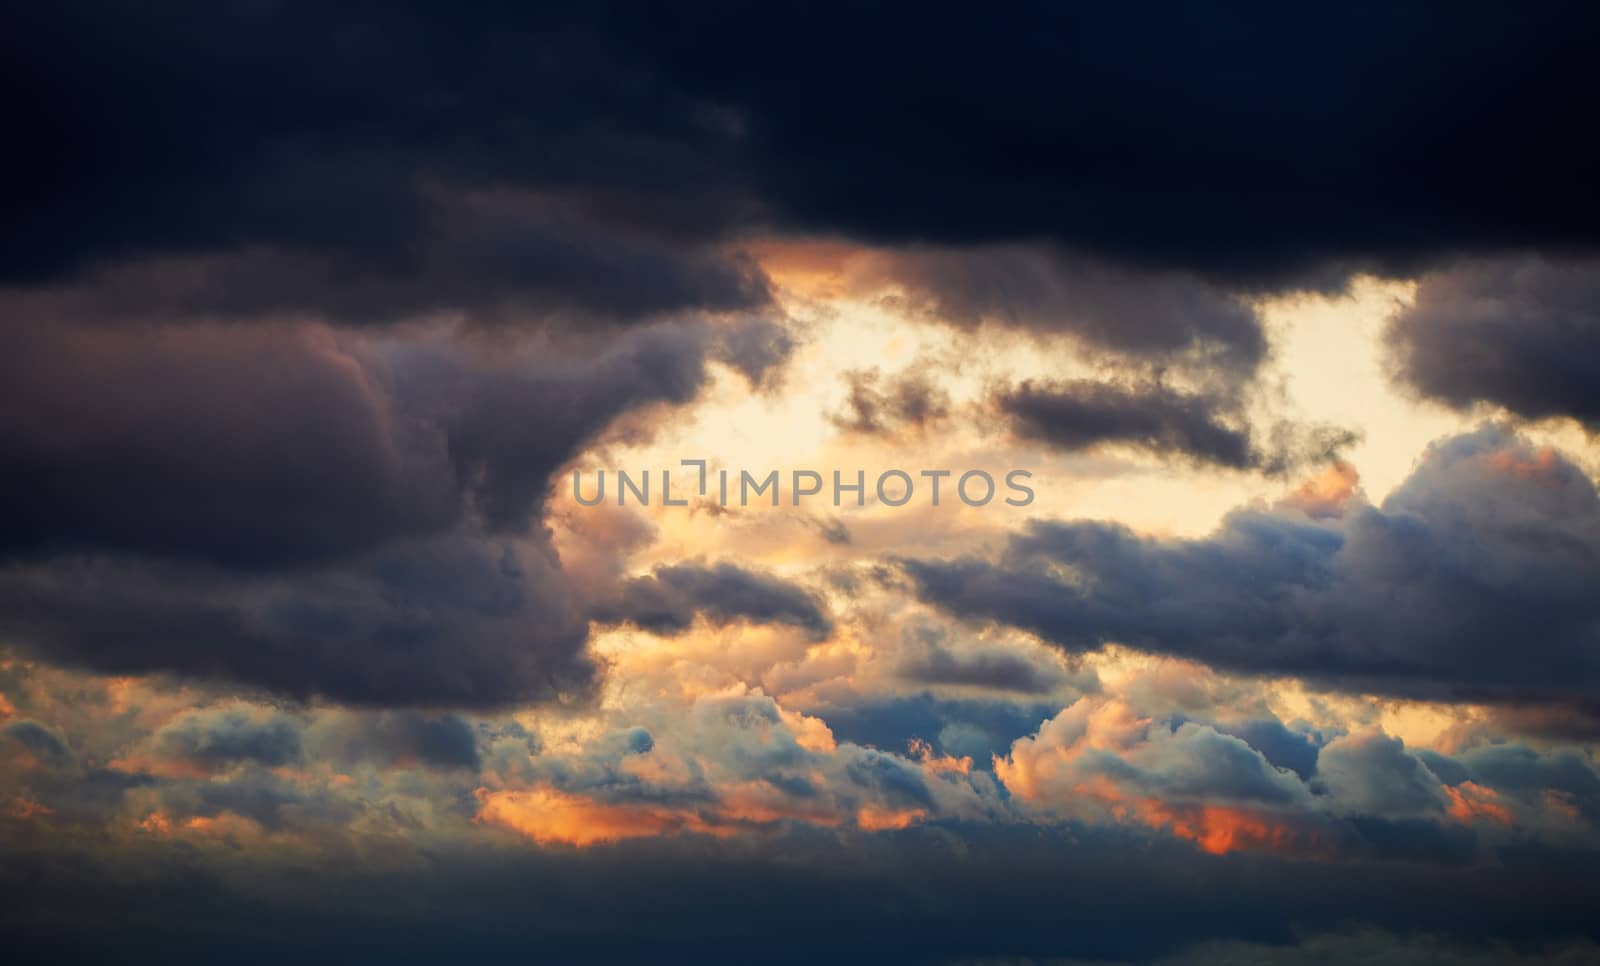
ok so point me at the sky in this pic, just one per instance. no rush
(321, 325)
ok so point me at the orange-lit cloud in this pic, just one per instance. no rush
(26, 807)
(549, 816)
(1541, 466)
(1215, 828)
(939, 764)
(1327, 493)
(159, 766)
(1220, 829)
(760, 803)
(809, 733)
(876, 819)
(1102, 759)
(1471, 802)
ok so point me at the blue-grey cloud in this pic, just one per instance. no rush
(1473, 580)
(668, 599)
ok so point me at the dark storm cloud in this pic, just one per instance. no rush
(517, 425)
(1415, 840)
(1269, 146)
(1577, 720)
(452, 620)
(904, 897)
(1384, 946)
(573, 167)
(266, 447)
(1519, 333)
(245, 446)
(500, 259)
(311, 513)
(498, 166)
(667, 600)
(1250, 144)
(1474, 581)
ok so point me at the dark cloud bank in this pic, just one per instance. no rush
(1474, 580)
(317, 514)
(1257, 145)
(907, 897)
(1085, 172)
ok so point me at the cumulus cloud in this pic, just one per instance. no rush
(1100, 759)
(1144, 755)
(732, 762)
(1372, 773)
(1151, 769)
